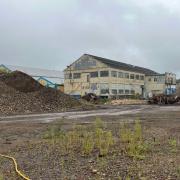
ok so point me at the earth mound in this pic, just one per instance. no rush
(19, 94)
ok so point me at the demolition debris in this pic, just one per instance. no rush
(163, 99)
(20, 94)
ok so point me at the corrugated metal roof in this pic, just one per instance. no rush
(53, 80)
(37, 72)
(123, 66)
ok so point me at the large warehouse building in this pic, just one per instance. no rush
(108, 78)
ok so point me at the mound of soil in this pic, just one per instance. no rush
(20, 81)
(25, 95)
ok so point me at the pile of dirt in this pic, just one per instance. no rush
(19, 93)
(20, 81)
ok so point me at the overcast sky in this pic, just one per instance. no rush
(53, 33)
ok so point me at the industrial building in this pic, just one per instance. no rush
(109, 78)
(48, 78)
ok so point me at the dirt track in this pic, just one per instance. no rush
(103, 111)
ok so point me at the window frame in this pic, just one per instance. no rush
(121, 75)
(106, 91)
(75, 76)
(68, 76)
(127, 75)
(141, 77)
(132, 75)
(114, 74)
(137, 76)
(121, 90)
(127, 90)
(107, 75)
(95, 72)
(113, 92)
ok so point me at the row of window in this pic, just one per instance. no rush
(106, 74)
(117, 74)
(120, 91)
(73, 76)
(157, 79)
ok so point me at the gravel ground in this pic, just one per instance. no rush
(40, 158)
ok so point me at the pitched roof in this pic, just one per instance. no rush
(36, 72)
(123, 66)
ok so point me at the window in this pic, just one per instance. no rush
(121, 75)
(132, 76)
(113, 73)
(132, 91)
(155, 80)
(126, 75)
(114, 91)
(149, 79)
(94, 74)
(77, 75)
(104, 91)
(142, 78)
(127, 91)
(161, 80)
(121, 91)
(104, 73)
(68, 76)
(137, 76)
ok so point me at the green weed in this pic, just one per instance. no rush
(173, 145)
(88, 143)
(99, 123)
(1, 177)
(135, 145)
(104, 140)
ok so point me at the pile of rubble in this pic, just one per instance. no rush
(164, 99)
(20, 93)
(91, 97)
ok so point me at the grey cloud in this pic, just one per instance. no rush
(52, 33)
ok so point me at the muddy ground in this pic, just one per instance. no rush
(39, 157)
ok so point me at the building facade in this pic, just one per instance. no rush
(108, 78)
